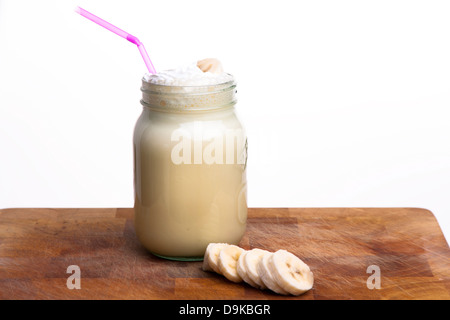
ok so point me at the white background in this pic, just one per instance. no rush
(346, 103)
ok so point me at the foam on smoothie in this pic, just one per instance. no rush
(201, 73)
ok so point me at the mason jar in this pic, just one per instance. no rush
(190, 159)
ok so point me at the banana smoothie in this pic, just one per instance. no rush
(190, 158)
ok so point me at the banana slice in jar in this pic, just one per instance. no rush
(210, 65)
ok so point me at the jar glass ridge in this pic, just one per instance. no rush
(188, 98)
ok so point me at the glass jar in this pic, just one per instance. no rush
(190, 158)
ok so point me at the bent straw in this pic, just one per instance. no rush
(120, 33)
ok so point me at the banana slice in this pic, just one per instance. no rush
(211, 258)
(242, 270)
(210, 65)
(228, 258)
(205, 265)
(251, 260)
(289, 272)
(266, 276)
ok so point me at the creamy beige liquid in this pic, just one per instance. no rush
(180, 208)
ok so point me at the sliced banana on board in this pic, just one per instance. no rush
(211, 258)
(280, 271)
(228, 258)
(290, 273)
(251, 260)
(242, 270)
(266, 275)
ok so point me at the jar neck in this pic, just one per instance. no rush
(188, 98)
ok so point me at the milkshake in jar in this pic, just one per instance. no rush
(190, 159)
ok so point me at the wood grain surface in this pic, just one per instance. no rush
(37, 246)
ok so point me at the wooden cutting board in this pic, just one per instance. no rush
(339, 244)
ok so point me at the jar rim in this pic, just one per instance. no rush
(188, 98)
(232, 80)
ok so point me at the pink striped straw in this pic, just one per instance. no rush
(121, 33)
